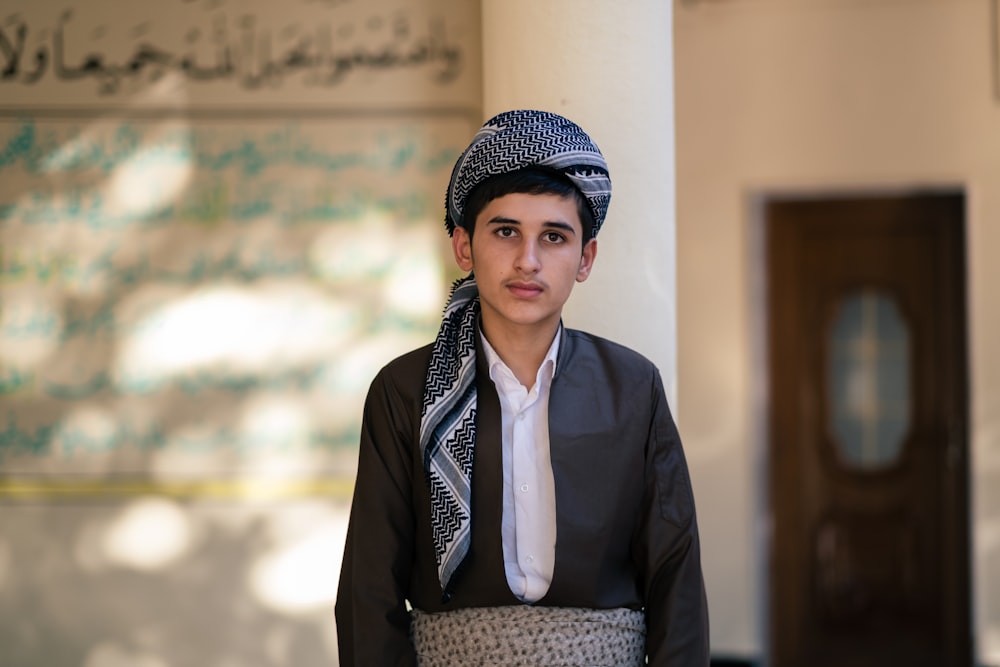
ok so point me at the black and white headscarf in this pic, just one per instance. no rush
(517, 139)
(507, 142)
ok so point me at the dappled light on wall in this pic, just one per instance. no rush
(240, 328)
(399, 270)
(28, 341)
(218, 271)
(300, 575)
(204, 330)
(218, 220)
(154, 174)
(149, 534)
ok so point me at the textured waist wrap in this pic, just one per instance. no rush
(528, 636)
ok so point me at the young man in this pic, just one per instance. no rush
(522, 496)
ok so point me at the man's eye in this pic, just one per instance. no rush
(505, 232)
(553, 237)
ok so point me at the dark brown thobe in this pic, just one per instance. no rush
(626, 534)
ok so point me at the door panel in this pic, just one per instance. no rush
(868, 432)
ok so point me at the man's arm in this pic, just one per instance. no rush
(676, 606)
(372, 621)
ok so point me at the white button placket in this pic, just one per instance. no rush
(525, 500)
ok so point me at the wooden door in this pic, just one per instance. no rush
(868, 426)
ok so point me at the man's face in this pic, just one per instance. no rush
(527, 251)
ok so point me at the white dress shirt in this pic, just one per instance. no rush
(528, 525)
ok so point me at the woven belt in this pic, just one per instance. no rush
(526, 636)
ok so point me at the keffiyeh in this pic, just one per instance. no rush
(448, 428)
(517, 139)
(508, 142)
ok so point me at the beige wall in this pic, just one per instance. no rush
(236, 237)
(774, 96)
(610, 71)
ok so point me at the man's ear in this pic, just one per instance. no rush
(587, 260)
(461, 245)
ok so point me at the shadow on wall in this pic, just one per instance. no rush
(217, 221)
(159, 583)
(184, 302)
(189, 319)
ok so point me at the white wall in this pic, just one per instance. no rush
(610, 71)
(829, 95)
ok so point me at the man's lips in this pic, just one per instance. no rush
(524, 290)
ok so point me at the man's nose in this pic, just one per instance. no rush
(527, 257)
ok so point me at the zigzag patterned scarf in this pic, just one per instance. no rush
(517, 139)
(507, 142)
(448, 428)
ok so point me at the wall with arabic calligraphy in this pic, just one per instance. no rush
(177, 294)
(216, 224)
(238, 55)
(218, 219)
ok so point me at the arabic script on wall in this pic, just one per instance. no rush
(209, 296)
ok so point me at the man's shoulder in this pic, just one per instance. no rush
(410, 366)
(583, 345)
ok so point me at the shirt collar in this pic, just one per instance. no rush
(493, 360)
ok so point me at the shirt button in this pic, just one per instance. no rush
(524, 487)
(520, 416)
(530, 559)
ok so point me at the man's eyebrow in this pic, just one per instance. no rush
(556, 224)
(501, 220)
(559, 224)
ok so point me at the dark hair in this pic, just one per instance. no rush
(532, 181)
